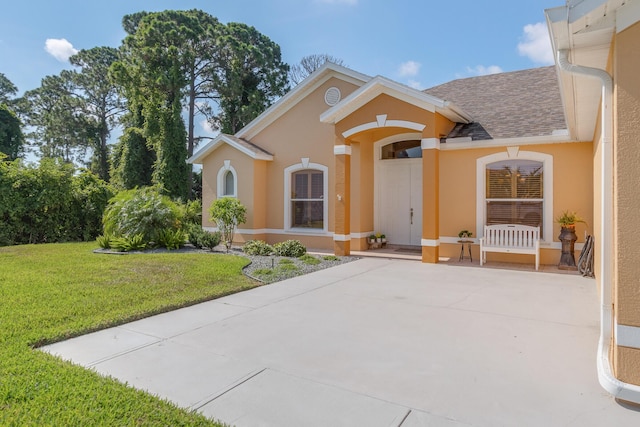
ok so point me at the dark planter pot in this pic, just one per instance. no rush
(568, 238)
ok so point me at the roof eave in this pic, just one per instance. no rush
(221, 139)
(381, 85)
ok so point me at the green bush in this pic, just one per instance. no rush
(49, 202)
(330, 258)
(228, 212)
(257, 247)
(309, 259)
(210, 239)
(170, 238)
(128, 243)
(140, 211)
(290, 248)
(104, 241)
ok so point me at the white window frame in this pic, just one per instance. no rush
(288, 172)
(547, 200)
(221, 180)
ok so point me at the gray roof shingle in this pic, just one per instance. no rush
(506, 105)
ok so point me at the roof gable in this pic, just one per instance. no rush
(380, 85)
(302, 90)
(245, 147)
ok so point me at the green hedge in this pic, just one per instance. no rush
(49, 202)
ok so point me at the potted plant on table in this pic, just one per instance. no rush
(465, 234)
(567, 221)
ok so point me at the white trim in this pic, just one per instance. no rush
(380, 85)
(341, 238)
(430, 143)
(287, 194)
(430, 243)
(384, 123)
(543, 245)
(342, 149)
(627, 336)
(547, 204)
(627, 15)
(292, 232)
(506, 142)
(224, 139)
(220, 180)
(362, 235)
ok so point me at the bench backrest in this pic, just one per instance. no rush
(511, 235)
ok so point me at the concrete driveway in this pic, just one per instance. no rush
(376, 342)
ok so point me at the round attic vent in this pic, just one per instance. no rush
(332, 96)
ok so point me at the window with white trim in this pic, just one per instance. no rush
(515, 193)
(307, 199)
(516, 188)
(227, 181)
(306, 187)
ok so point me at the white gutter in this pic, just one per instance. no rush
(619, 389)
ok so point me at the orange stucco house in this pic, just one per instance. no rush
(344, 155)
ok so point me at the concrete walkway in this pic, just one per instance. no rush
(375, 342)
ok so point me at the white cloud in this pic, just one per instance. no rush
(536, 44)
(415, 84)
(206, 126)
(481, 70)
(409, 69)
(60, 49)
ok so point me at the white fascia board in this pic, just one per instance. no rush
(381, 85)
(507, 142)
(298, 93)
(223, 139)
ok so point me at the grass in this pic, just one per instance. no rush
(55, 291)
(309, 259)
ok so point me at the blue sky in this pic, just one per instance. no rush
(421, 43)
(417, 42)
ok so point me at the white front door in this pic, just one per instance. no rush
(399, 201)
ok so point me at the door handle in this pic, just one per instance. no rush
(411, 215)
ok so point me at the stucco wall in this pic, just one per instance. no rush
(627, 159)
(572, 190)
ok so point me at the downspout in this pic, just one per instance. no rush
(619, 389)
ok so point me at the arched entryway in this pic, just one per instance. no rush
(398, 189)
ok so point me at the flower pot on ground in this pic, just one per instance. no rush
(568, 239)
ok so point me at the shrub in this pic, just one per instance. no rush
(195, 234)
(210, 240)
(128, 243)
(330, 258)
(257, 247)
(190, 212)
(227, 212)
(104, 241)
(290, 248)
(140, 211)
(170, 238)
(309, 259)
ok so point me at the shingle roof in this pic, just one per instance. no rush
(248, 145)
(507, 105)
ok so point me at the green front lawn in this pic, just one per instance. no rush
(55, 291)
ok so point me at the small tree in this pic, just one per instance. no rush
(228, 212)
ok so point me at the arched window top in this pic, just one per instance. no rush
(227, 181)
(408, 149)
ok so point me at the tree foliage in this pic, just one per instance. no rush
(49, 202)
(7, 90)
(309, 64)
(253, 76)
(11, 137)
(227, 212)
(100, 102)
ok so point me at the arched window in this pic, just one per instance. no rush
(229, 184)
(305, 203)
(227, 181)
(410, 149)
(516, 189)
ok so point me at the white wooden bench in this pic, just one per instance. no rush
(512, 239)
